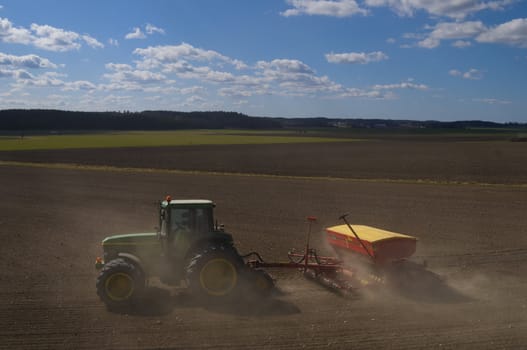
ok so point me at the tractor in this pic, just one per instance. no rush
(189, 247)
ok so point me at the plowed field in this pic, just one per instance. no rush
(473, 236)
(447, 161)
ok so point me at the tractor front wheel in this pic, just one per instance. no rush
(119, 283)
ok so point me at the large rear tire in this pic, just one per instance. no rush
(119, 283)
(214, 273)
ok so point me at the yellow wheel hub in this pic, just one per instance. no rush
(119, 286)
(218, 277)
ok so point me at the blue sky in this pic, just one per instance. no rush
(397, 59)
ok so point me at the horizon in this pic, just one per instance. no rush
(338, 59)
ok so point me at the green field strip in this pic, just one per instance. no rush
(156, 139)
(72, 166)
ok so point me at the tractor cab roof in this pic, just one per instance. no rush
(188, 202)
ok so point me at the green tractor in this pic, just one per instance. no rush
(188, 247)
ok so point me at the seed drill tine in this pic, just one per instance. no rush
(343, 217)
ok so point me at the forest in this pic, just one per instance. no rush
(15, 120)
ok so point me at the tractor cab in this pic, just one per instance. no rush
(182, 217)
(187, 225)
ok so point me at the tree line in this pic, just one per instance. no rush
(40, 119)
(59, 120)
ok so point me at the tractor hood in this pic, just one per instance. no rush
(131, 239)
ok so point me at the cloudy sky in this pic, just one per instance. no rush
(399, 59)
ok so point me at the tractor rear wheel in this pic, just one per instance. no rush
(119, 283)
(214, 273)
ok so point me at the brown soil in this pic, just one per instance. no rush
(487, 162)
(52, 221)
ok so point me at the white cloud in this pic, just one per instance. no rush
(24, 78)
(173, 53)
(383, 91)
(457, 30)
(193, 99)
(6, 73)
(457, 9)
(44, 37)
(15, 68)
(191, 90)
(118, 66)
(113, 42)
(235, 92)
(461, 43)
(22, 75)
(26, 61)
(451, 31)
(13, 73)
(218, 76)
(240, 102)
(155, 56)
(165, 87)
(137, 33)
(403, 85)
(151, 29)
(49, 101)
(48, 79)
(54, 39)
(284, 66)
(471, 74)
(362, 93)
(185, 70)
(181, 67)
(92, 42)
(10, 34)
(303, 85)
(79, 85)
(356, 57)
(492, 101)
(139, 76)
(391, 40)
(333, 8)
(125, 77)
(293, 77)
(429, 43)
(413, 36)
(239, 64)
(513, 33)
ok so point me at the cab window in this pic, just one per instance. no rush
(196, 220)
